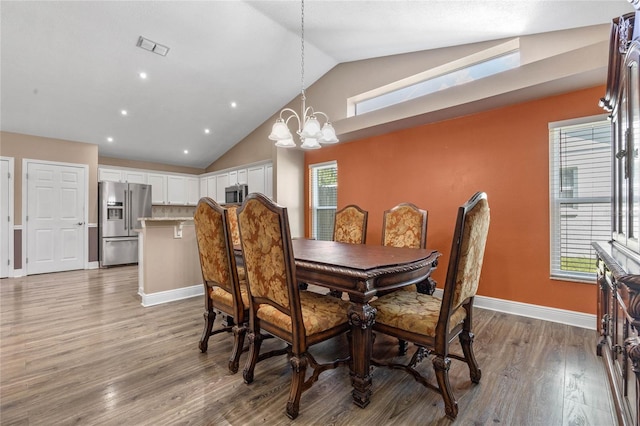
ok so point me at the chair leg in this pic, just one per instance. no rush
(402, 347)
(299, 367)
(441, 366)
(466, 341)
(239, 332)
(209, 318)
(255, 341)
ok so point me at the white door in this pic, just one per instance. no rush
(55, 217)
(5, 220)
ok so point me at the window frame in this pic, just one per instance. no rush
(313, 195)
(557, 234)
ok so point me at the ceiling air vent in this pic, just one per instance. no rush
(152, 46)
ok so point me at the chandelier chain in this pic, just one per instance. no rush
(302, 47)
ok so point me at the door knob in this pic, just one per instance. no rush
(80, 223)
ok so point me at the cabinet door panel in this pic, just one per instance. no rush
(109, 175)
(176, 190)
(255, 179)
(158, 188)
(134, 177)
(193, 191)
(212, 189)
(222, 181)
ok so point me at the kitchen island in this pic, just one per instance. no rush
(168, 260)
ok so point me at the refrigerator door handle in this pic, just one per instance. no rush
(130, 209)
(126, 210)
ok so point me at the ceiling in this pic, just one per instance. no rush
(69, 68)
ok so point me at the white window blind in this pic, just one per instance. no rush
(580, 195)
(323, 196)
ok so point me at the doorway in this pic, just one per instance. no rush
(6, 217)
(56, 212)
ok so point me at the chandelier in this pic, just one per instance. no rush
(309, 130)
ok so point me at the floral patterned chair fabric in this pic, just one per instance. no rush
(277, 306)
(432, 323)
(350, 225)
(223, 290)
(405, 225)
(233, 224)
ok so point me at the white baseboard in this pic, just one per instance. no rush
(93, 265)
(562, 316)
(171, 295)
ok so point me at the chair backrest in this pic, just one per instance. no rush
(467, 254)
(217, 259)
(233, 224)
(350, 225)
(268, 258)
(405, 225)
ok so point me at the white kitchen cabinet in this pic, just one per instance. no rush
(233, 177)
(212, 188)
(203, 187)
(134, 176)
(176, 190)
(109, 175)
(193, 190)
(255, 179)
(158, 184)
(222, 181)
(242, 176)
(119, 175)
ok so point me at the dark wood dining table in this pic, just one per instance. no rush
(361, 271)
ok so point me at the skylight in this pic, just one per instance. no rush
(475, 67)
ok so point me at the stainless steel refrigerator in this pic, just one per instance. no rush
(120, 207)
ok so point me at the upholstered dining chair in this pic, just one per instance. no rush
(405, 225)
(431, 323)
(350, 225)
(276, 304)
(224, 292)
(233, 224)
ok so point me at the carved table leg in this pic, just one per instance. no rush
(428, 285)
(361, 319)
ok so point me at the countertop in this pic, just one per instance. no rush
(166, 219)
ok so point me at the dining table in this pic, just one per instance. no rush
(361, 271)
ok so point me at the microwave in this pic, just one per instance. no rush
(235, 193)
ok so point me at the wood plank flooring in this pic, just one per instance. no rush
(78, 348)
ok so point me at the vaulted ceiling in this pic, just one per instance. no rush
(69, 69)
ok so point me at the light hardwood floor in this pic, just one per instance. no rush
(78, 348)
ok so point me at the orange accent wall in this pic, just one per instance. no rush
(438, 166)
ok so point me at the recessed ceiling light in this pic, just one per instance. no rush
(109, 139)
(233, 104)
(123, 112)
(186, 151)
(143, 75)
(207, 131)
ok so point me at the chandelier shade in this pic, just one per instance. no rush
(309, 130)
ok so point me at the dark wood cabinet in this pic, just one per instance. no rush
(619, 319)
(618, 275)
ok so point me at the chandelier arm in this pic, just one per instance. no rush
(292, 113)
(326, 117)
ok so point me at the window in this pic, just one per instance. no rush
(323, 196)
(580, 194)
(481, 64)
